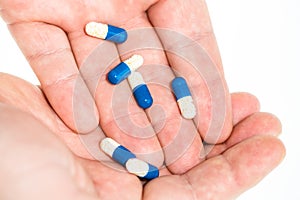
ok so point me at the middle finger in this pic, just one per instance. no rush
(178, 137)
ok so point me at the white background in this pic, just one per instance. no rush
(260, 46)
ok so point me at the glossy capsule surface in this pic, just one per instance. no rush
(127, 159)
(106, 32)
(124, 69)
(140, 90)
(184, 98)
(142, 169)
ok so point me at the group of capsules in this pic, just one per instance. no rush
(127, 70)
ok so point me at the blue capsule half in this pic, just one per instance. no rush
(106, 32)
(153, 172)
(116, 34)
(180, 88)
(142, 96)
(122, 155)
(140, 90)
(119, 73)
(124, 69)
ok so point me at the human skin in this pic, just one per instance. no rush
(43, 158)
(51, 36)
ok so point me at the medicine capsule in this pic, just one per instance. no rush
(184, 98)
(116, 151)
(127, 159)
(142, 169)
(140, 90)
(124, 69)
(106, 32)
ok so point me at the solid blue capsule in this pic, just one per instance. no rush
(124, 69)
(106, 32)
(140, 90)
(184, 98)
(127, 159)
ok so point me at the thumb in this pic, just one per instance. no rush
(35, 164)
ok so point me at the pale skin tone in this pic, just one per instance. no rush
(52, 38)
(37, 164)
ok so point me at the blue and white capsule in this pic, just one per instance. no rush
(116, 151)
(127, 159)
(106, 32)
(124, 69)
(140, 90)
(184, 98)
(142, 169)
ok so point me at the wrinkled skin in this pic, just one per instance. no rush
(37, 164)
(51, 36)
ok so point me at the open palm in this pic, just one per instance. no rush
(49, 170)
(51, 35)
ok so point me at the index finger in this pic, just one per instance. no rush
(48, 51)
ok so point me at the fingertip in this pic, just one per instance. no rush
(254, 158)
(275, 126)
(85, 113)
(269, 147)
(243, 105)
(88, 122)
(280, 148)
(220, 133)
(72, 101)
(263, 123)
(257, 124)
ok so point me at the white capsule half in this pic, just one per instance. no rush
(183, 98)
(126, 158)
(108, 145)
(137, 167)
(97, 30)
(134, 62)
(142, 169)
(135, 79)
(187, 107)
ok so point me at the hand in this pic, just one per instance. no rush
(51, 36)
(37, 165)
